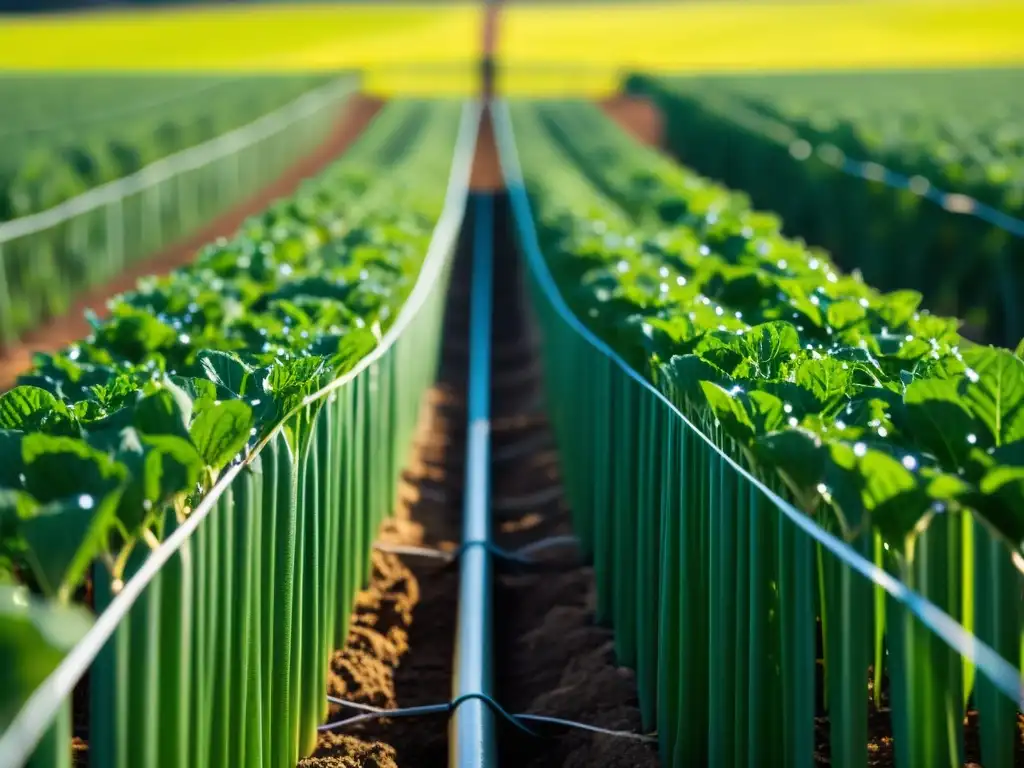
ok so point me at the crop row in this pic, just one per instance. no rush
(869, 414)
(961, 130)
(791, 160)
(67, 135)
(48, 260)
(217, 386)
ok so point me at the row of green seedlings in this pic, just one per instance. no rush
(48, 261)
(960, 130)
(54, 151)
(223, 369)
(872, 415)
(892, 232)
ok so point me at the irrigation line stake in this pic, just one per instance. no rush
(472, 726)
(32, 720)
(1000, 672)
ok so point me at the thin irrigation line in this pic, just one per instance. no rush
(1000, 672)
(35, 716)
(369, 713)
(472, 735)
(868, 170)
(107, 114)
(519, 555)
(187, 160)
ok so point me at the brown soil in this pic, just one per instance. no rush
(550, 656)
(486, 175)
(639, 116)
(57, 333)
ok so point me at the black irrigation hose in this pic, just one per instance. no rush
(517, 720)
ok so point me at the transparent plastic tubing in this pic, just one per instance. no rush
(282, 538)
(473, 742)
(707, 574)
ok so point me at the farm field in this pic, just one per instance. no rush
(396, 428)
(545, 48)
(160, 155)
(752, 337)
(63, 135)
(898, 173)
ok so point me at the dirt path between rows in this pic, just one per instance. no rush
(354, 116)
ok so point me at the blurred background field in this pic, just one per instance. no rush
(543, 47)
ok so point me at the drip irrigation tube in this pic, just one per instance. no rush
(473, 725)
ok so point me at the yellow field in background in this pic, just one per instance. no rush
(549, 48)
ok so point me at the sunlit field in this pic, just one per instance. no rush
(547, 47)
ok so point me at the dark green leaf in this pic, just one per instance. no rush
(58, 468)
(798, 454)
(64, 536)
(940, 422)
(683, 374)
(160, 414)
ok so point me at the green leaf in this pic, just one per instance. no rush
(225, 369)
(22, 407)
(221, 431)
(879, 410)
(683, 374)
(799, 455)
(1004, 505)
(721, 349)
(1020, 350)
(729, 410)
(767, 412)
(827, 379)
(844, 314)
(160, 414)
(769, 347)
(665, 338)
(64, 536)
(891, 494)
(173, 466)
(202, 392)
(37, 634)
(995, 391)
(897, 308)
(11, 462)
(940, 422)
(161, 467)
(59, 468)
